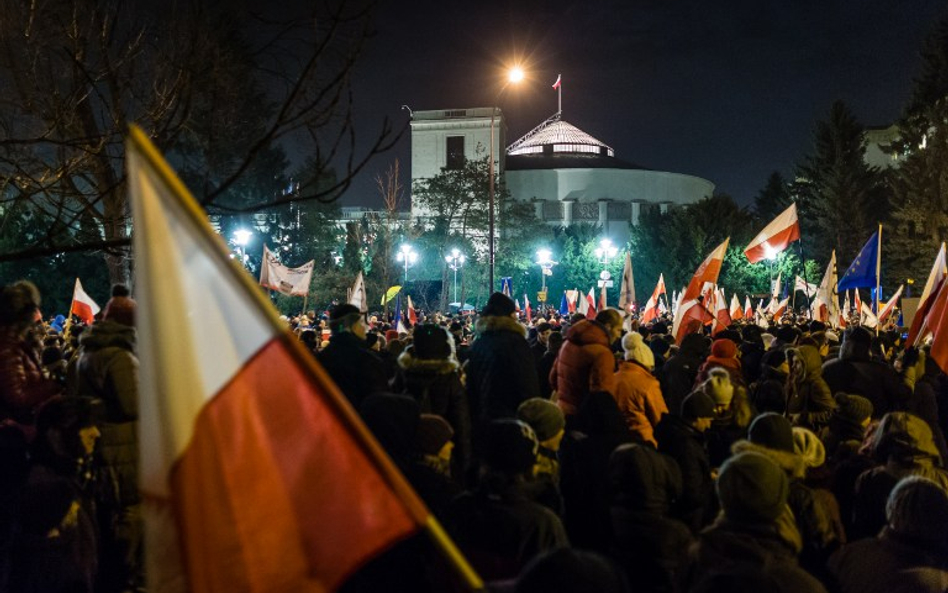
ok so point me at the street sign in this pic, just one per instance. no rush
(606, 283)
(541, 296)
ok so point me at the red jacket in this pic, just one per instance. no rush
(22, 384)
(585, 363)
(640, 399)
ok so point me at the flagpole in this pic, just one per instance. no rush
(559, 95)
(878, 272)
(335, 399)
(806, 279)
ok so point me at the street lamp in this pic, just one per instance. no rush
(241, 238)
(455, 261)
(514, 76)
(407, 257)
(605, 252)
(546, 263)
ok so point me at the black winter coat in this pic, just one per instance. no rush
(355, 369)
(677, 439)
(500, 370)
(876, 381)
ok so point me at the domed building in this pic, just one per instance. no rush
(569, 176)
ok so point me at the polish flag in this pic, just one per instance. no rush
(707, 272)
(412, 315)
(857, 302)
(920, 330)
(526, 305)
(83, 306)
(775, 237)
(689, 319)
(890, 305)
(722, 317)
(559, 81)
(256, 473)
(825, 305)
(571, 297)
(736, 312)
(936, 321)
(748, 309)
(650, 313)
(591, 304)
(781, 308)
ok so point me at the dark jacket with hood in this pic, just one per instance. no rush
(924, 402)
(500, 370)
(890, 563)
(353, 367)
(680, 441)
(107, 368)
(585, 364)
(855, 372)
(810, 401)
(678, 374)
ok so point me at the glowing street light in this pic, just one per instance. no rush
(546, 263)
(606, 251)
(455, 261)
(514, 76)
(241, 238)
(407, 256)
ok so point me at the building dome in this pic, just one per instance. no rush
(555, 136)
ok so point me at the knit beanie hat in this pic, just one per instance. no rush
(544, 417)
(432, 342)
(511, 446)
(433, 432)
(723, 348)
(719, 387)
(697, 405)
(120, 309)
(752, 488)
(499, 305)
(918, 510)
(636, 350)
(772, 431)
(809, 447)
(853, 407)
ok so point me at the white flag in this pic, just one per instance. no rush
(805, 287)
(289, 281)
(357, 294)
(627, 291)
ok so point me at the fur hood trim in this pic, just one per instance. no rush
(443, 366)
(499, 323)
(788, 462)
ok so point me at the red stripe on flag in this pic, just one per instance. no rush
(777, 243)
(83, 311)
(275, 492)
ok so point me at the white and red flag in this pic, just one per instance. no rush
(650, 313)
(82, 305)
(572, 296)
(526, 308)
(722, 317)
(736, 312)
(412, 314)
(775, 237)
(256, 473)
(825, 305)
(690, 317)
(748, 309)
(707, 272)
(591, 304)
(559, 81)
(781, 308)
(920, 330)
(627, 287)
(890, 305)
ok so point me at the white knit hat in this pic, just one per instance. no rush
(636, 349)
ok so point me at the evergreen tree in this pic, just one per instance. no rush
(773, 199)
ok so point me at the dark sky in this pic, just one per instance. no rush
(726, 90)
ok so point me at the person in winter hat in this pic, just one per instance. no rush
(586, 362)
(549, 424)
(733, 414)
(772, 435)
(755, 530)
(846, 429)
(353, 367)
(810, 402)
(909, 555)
(637, 391)
(723, 355)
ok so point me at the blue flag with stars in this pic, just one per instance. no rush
(862, 272)
(564, 305)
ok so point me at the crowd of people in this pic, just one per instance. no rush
(565, 453)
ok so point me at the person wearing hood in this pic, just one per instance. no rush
(429, 372)
(768, 393)
(752, 352)
(903, 446)
(347, 359)
(846, 430)
(772, 435)
(755, 531)
(909, 555)
(678, 374)
(500, 370)
(810, 402)
(586, 363)
(856, 372)
(637, 391)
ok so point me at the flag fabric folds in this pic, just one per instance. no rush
(357, 296)
(825, 305)
(651, 310)
(526, 307)
(805, 287)
(748, 309)
(590, 304)
(390, 294)
(890, 305)
(627, 289)
(936, 322)
(919, 330)
(283, 279)
(689, 318)
(735, 311)
(412, 314)
(862, 273)
(505, 286)
(722, 316)
(82, 305)
(256, 473)
(775, 237)
(707, 272)
(559, 81)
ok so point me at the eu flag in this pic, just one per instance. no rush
(564, 305)
(862, 272)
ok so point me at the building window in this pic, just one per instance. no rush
(455, 153)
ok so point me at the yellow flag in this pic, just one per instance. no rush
(390, 293)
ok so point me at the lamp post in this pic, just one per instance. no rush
(455, 261)
(407, 256)
(241, 238)
(546, 263)
(515, 75)
(605, 252)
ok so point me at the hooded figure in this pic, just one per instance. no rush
(855, 372)
(903, 446)
(910, 555)
(678, 373)
(586, 363)
(810, 402)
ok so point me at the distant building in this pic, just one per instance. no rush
(569, 176)
(878, 140)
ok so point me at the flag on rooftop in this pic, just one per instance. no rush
(237, 420)
(775, 237)
(559, 81)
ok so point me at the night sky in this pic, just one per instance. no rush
(729, 91)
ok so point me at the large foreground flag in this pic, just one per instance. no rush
(256, 473)
(591, 304)
(627, 290)
(82, 305)
(690, 317)
(285, 280)
(919, 330)
(775, 237)
(864, 271)
(707, 272)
